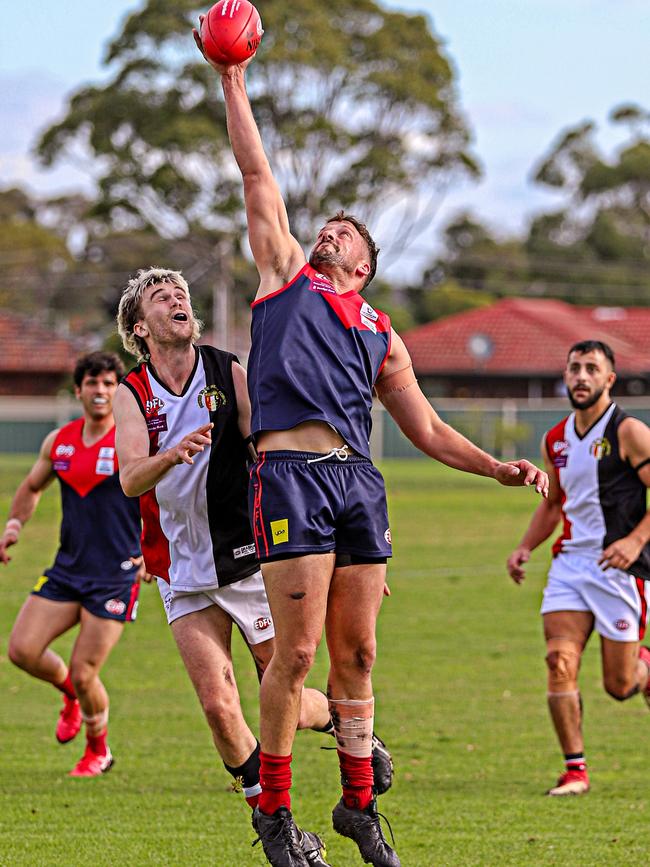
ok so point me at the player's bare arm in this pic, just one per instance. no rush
(139, 471)
(398, 390)
(634, 442)
(27, 496)
(543, 522)
(243, 407)
(277, 254)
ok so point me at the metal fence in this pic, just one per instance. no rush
(505, 428)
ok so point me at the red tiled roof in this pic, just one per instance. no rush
(28, 347)
(526, 336)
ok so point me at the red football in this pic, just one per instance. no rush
(231, 31)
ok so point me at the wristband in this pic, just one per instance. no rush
(13, 527)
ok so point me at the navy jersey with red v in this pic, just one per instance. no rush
(316, 356)
(100, 527)
(603, 498)
(196, 532)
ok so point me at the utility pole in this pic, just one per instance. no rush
(221, 295)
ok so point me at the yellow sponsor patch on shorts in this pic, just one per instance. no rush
(39, 584)
(280, 531)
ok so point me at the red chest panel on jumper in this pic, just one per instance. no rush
(80, 466)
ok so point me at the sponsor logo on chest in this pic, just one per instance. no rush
(156, 421)
(153, 405)
(320, 283)
(560, 453)
(368, 317)
(105, 465)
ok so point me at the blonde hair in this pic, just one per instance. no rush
(129, 312)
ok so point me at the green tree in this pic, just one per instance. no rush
(595, 249)
(34, 258)
(357, 107)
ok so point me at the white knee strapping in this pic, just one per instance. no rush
(97, 722)
(353, 725)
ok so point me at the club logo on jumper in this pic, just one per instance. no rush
(262, 623)
(369, 316)
(280, 531)
(559, 454)
(62, 451)
(115, 606)
(212, 398)
(622, 625)
(600, 448)
(126, 565)
(244, 551)
(152, 406)
(388, 537)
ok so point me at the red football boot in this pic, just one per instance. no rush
(92, 765)
(69, 721)
(571, 783)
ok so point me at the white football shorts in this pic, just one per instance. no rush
(618, 600)
(244, 601)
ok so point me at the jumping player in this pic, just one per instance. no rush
(598, 459)
(95, 577)
(316, 501)
(183, 422)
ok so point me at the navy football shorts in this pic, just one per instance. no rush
(299, 505)
(111, 601)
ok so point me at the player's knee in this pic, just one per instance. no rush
(620, 687)
(20, 654)
(222, 713)
(562, 669)
(82, 674)
(301, 661)
(360, 656)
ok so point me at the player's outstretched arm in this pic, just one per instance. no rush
(139, 471)
(27, 496)
(277, 254)
(634, 442)
(543, 522)
(398, 390)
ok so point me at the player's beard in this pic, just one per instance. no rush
(332, 256)
(588, 401)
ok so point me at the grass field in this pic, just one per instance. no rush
(460, 689)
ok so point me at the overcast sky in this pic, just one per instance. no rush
(527, 68)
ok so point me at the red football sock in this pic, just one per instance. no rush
(97, 743)
(275, 779)
(66, 687)
(357, 777)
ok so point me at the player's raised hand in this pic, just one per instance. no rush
(515, 563)
(520, 474)
(192, 444)
(222, 68)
